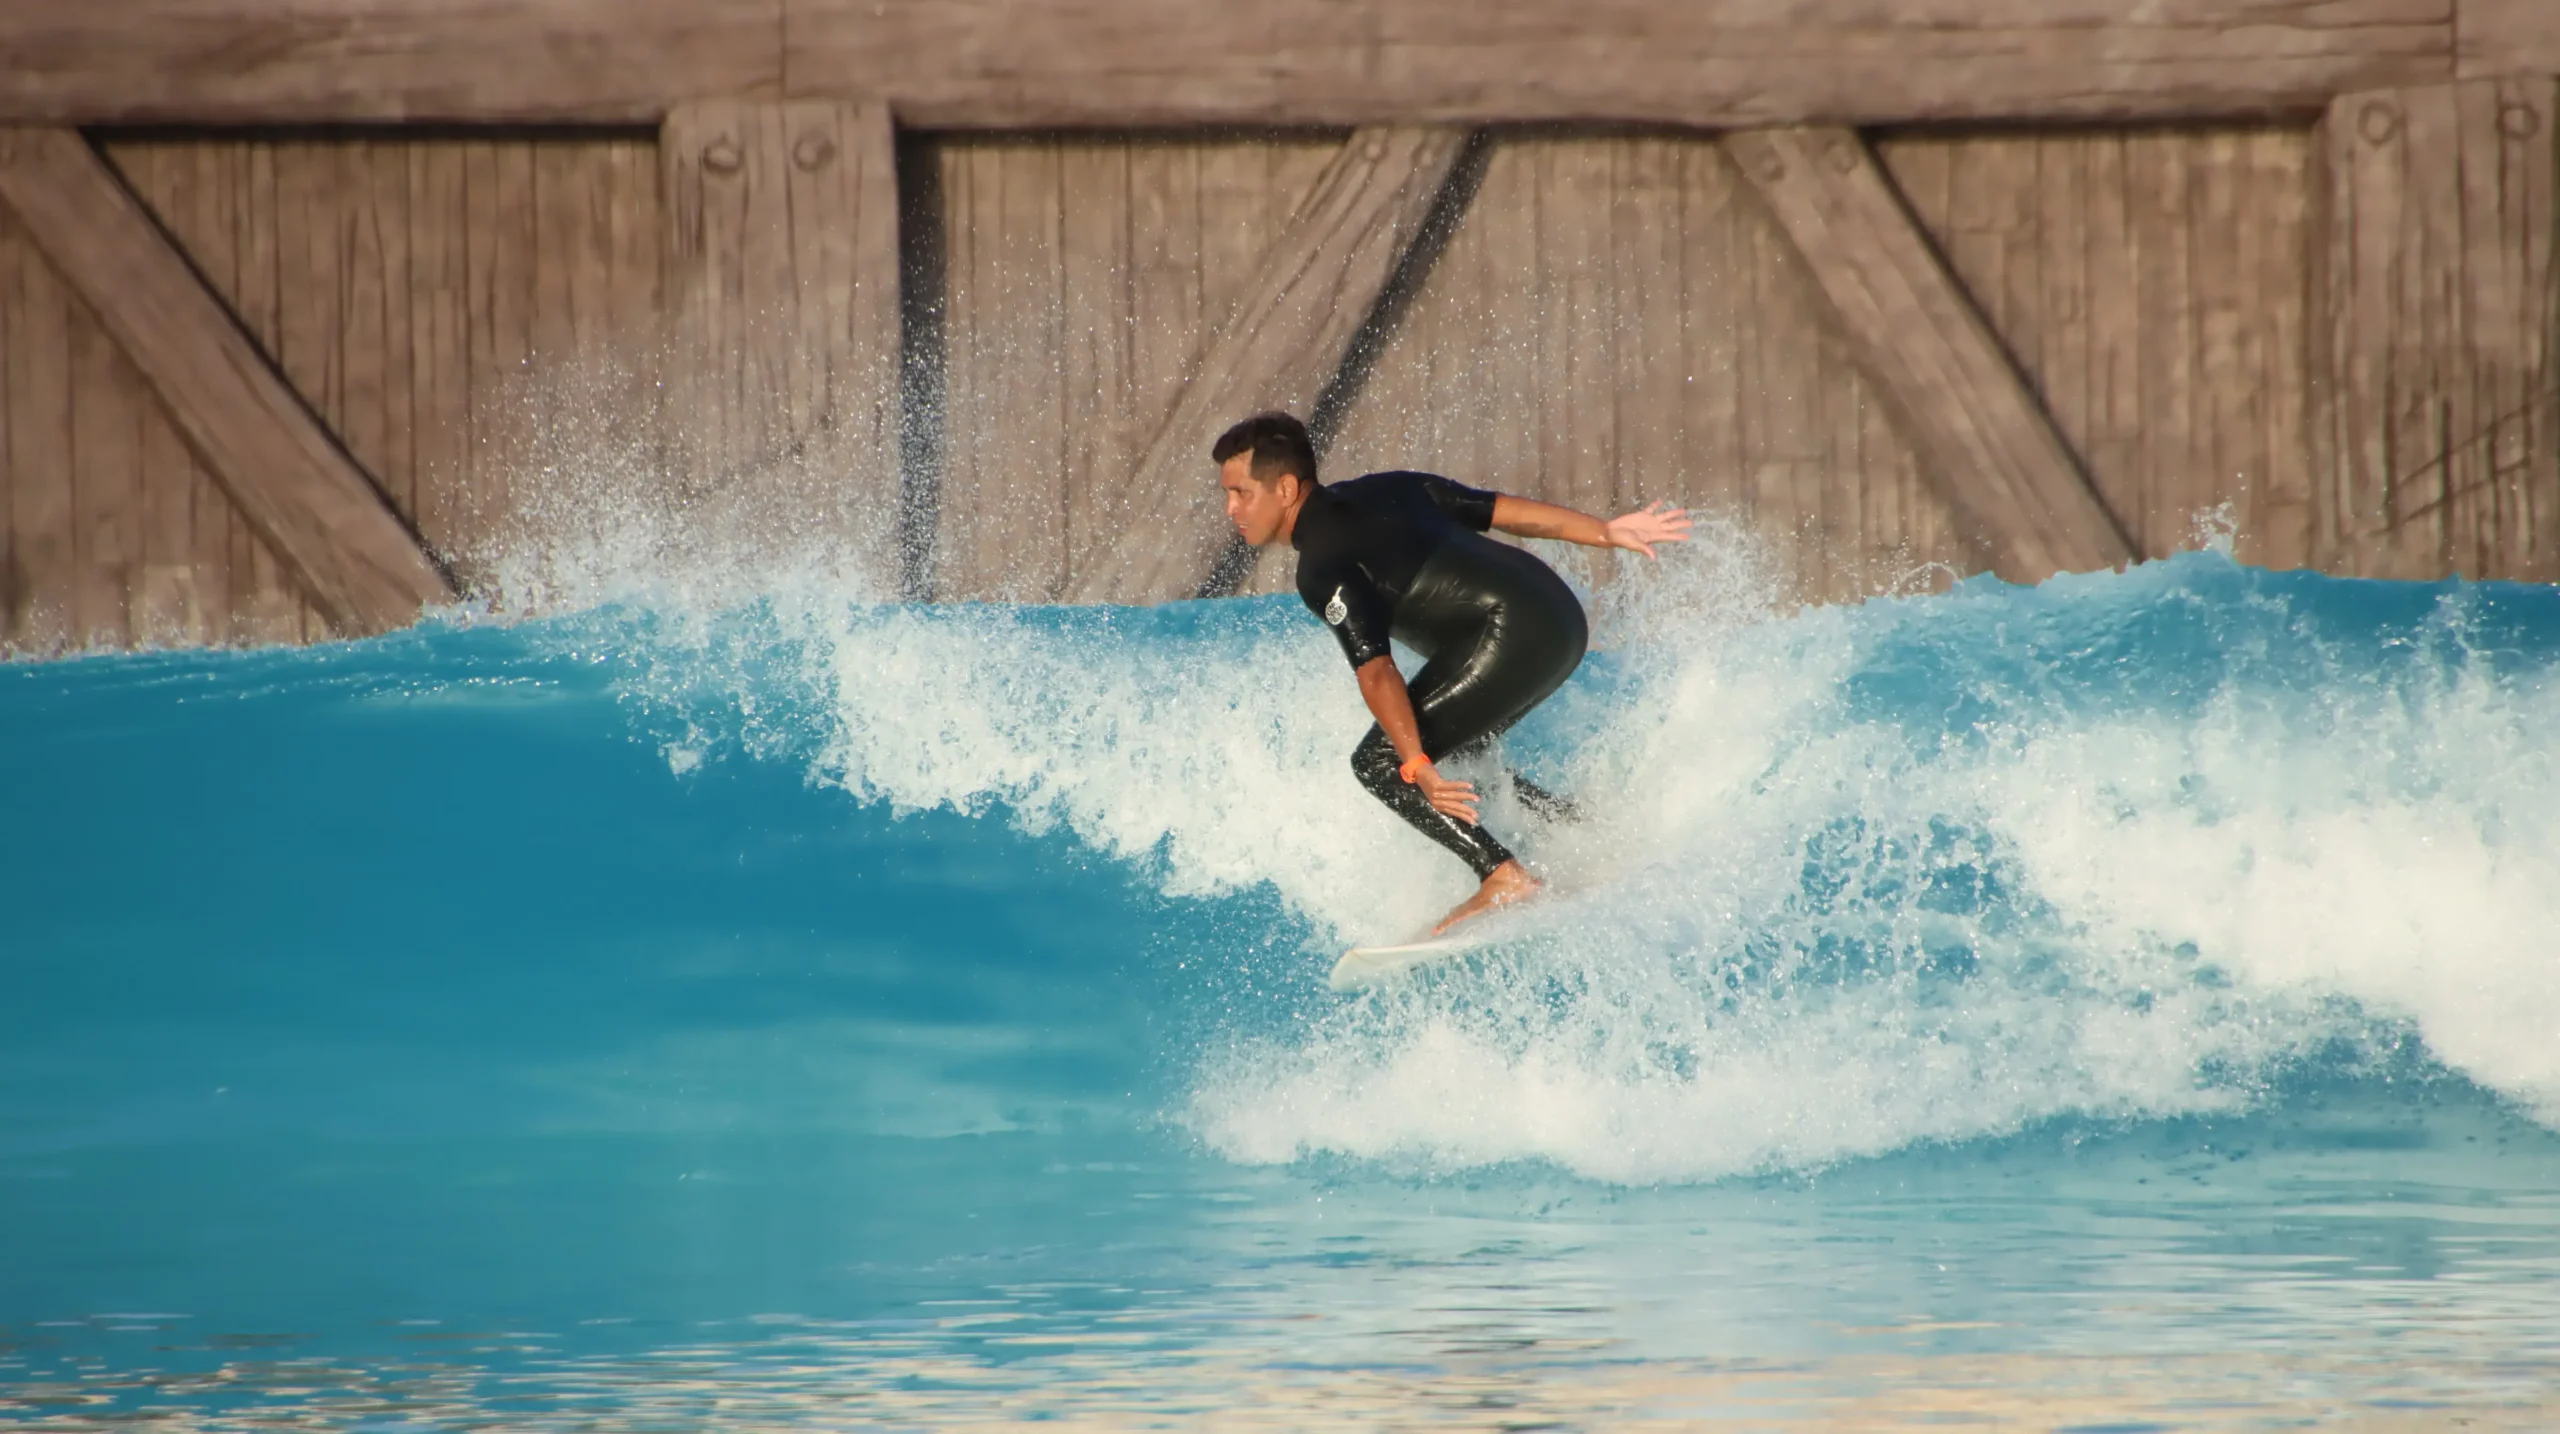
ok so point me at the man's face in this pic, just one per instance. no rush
(1256, 508)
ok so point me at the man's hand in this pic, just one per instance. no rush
(1447, 797)
(1653, 523)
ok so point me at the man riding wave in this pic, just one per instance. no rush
(1404, 555)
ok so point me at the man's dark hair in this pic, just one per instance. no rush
(1278, 443)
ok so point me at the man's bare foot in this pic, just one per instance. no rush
(1510, 882)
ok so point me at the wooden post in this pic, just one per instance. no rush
(2436, 428)
(782, 295)
(322, 516)
(1319, 283)
(1978, 428)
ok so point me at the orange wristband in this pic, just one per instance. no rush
(1408, 769)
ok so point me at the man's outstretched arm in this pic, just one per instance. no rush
(1382, 687)
(1637, 532)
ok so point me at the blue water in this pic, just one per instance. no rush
(2131, 1003)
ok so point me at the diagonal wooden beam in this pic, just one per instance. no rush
(321, 515)
(1318, 285)
(1914, 331)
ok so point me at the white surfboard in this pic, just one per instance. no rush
(1364, 966)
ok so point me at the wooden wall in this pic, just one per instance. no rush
(2150, 284)
(2340, 330)
(1617, 320)
(407, 288)
(110, 532)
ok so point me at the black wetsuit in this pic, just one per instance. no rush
(1404, 555)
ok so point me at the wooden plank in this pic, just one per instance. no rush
(1510, 456)
(168, 595)
(1003, 498)
(346, 547)
(2433, 363)
(781, 270)
(1024, 64)
(2157, 210)
(1029, 519)
(2496, 38)
(439, 305)
(1716, 305)
(1319, 282)
(312, 61)
(15, 251)
(106, 483)
(41, 453)
(2279, 529)
(1095, 361)
(1922, 342)
(1652, 446)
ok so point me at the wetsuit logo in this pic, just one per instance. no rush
(1337, 612)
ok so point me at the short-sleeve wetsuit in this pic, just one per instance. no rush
(1404, 555)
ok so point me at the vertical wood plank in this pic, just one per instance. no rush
(2113, 445)
(2061, 362)
(41, 457)
(2502, 468)
(1095, 318)
(15, 251)
(2279, 533)
(1650, 373)
(439, 305)
(1717, 293)
(2434, 340)
(106, 481)
(1512, 453)
(167, 604)
(1164, 280)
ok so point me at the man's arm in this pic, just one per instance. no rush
(1382, 687)
(1637, 532)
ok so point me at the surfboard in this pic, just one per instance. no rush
(1364, 966)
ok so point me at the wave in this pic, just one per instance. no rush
(2121, 846)
(1933, 868)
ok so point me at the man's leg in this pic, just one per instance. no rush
(1374, 763)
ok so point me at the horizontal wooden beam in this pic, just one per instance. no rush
(379, 61)
(1004, 64)
(2494, 38)
(1716, 63)
(296, 488)
(1956, 394)
(1319, 283)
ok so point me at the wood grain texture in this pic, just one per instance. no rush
(782, 269)
(1320, 279)
(1001, 64)
(1019, 63)
(2494, 38)
(2437, 438)
(297, 488)
(2151, 285)
(43, 553)
(462, 311)
(1677, 343)
(1085, 276)
(353, 61)
(1916, 332)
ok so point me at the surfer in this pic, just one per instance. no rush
(1404, 554)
